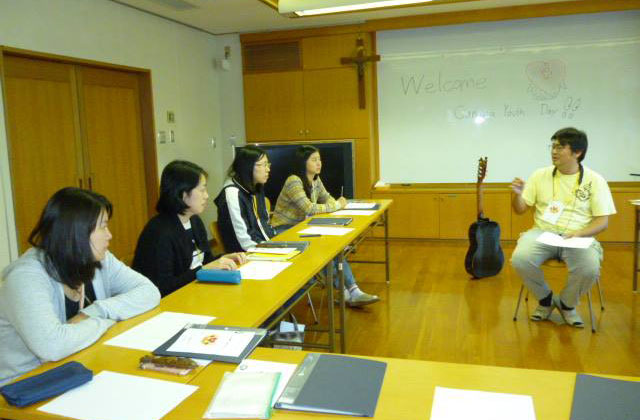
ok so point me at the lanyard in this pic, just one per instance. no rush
(575, 188)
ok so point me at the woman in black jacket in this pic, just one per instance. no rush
(173, 245)
(243, 217)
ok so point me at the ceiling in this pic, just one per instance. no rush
(242, 16)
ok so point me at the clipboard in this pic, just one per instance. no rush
(259, 335)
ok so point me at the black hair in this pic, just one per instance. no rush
(242, 167)
(576, 139)
(178, 177)
(299, 166)
(63, 234)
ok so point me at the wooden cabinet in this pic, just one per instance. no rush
(435, 213)
(77, 125)
(274, 106)
(318, 101)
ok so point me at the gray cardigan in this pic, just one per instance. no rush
(33, 322)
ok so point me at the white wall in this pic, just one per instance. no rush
(181, 59)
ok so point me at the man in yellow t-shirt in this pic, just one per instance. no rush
(569, 200)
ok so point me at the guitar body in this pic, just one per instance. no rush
(484, 257)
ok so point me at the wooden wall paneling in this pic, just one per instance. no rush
(331, 105)
(412, 215)
(497, 207)
(321, 52)
(622, 223)
(274, 106)
(363, 168)
(110, 108)
(457, 212)
(43, 136)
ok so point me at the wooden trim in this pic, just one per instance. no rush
(271, 3)
(375, 130)
(502, 13)
(17, 52)
(148, 141)
(490, 188)
(453, 18)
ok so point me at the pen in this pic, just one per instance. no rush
(309, 235)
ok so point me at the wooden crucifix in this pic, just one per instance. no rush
(359, 60)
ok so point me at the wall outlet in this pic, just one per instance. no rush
(162, 137)
(171, 117)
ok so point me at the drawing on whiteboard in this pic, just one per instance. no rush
(546, 79)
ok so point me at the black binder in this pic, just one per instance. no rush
(596, 398)
(330, 221)
(328, 383)
(260, 334)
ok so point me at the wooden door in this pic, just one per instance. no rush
(331, 105)
(273, 106)
(43, 135)
(111, 123)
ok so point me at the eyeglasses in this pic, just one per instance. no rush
(557, 147)
(263, 165)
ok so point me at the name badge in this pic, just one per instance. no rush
(553, 211)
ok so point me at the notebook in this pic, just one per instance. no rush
(330, 221)
(333, 384)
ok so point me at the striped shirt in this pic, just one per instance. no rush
(294, 206)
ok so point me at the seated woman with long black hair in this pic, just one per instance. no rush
(302, 195)
(173, 245)
(62, 294)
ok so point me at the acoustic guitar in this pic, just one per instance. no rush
(484, 257)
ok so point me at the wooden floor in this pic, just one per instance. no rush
(432, 310)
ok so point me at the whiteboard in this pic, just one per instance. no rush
(448, 95)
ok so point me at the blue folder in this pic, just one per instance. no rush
(40, 387)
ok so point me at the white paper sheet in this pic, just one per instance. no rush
(116, 396)
(356, 205)
(552, 239)
(286, 372)
(155, 331)
(353, 212)
(459, 404)
(269, 250)
(262, 270)
(205, 341)
(330, 231)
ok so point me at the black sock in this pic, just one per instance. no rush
(564, 307)
(546, 301)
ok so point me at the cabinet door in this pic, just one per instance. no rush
(412, 215)
(331, 105)
(457, 213)
(43, 135)
(110, 111)
(622, 223)
(274, 106)
(497, 207)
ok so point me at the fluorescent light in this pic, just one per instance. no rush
(355, 7)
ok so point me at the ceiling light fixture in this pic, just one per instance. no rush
(299, 8)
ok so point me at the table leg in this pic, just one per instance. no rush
(330, 321)
(343, 333)
(386, 244)
(635, 251)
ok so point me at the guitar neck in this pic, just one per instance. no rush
(479, 198)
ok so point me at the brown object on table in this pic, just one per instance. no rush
(168, 364)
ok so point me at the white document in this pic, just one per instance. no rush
(269, 250)
(356, 205)
(459, 404)
(206, 341)
(552, 239)
(286, 371)
(116, 396)
(353, 212)
(262, 270)
(155, 331)
(329, 231)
